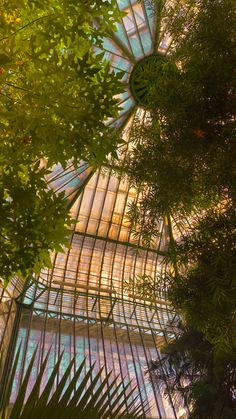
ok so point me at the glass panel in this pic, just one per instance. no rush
(120, 350)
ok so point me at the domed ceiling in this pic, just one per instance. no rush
(139, 40)
(87, 282)
(104, 249)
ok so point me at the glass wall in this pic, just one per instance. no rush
(122, 351)
(82, 305)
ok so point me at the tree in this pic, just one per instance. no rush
(32, 220)
(56, 95)
(184, 155)
(183, 162)
(198, 379)
(197, 366)
(205, 286)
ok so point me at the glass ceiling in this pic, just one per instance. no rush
(70, 180)
(84, 292)
(104, 251)
(138, 35)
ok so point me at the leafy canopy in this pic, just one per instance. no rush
(183, 161)
(205, 293)
(32, 220)
(184, 153)
(56, 95)
(195, 377)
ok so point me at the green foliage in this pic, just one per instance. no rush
(32, 219)
(183, 162)
(195, 376)
(170, 181)
(55, 97)
(83, 396)
(140, 219)
(206, 291)
(143, 286)
(56, 93)
(147, 287)
(184, 155)
(198, 366)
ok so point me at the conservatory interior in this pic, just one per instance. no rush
(85, 305)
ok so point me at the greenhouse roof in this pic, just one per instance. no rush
(139, 37)
(139, 34)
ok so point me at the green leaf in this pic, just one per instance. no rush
(67, 400)
(4, 58)
(18, 406)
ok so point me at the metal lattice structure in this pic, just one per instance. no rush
(81, 305)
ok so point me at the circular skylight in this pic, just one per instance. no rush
(138, 43)
(144, 75)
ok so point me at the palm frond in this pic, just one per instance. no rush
(84, 396)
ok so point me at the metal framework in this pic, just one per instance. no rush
(81, 306)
